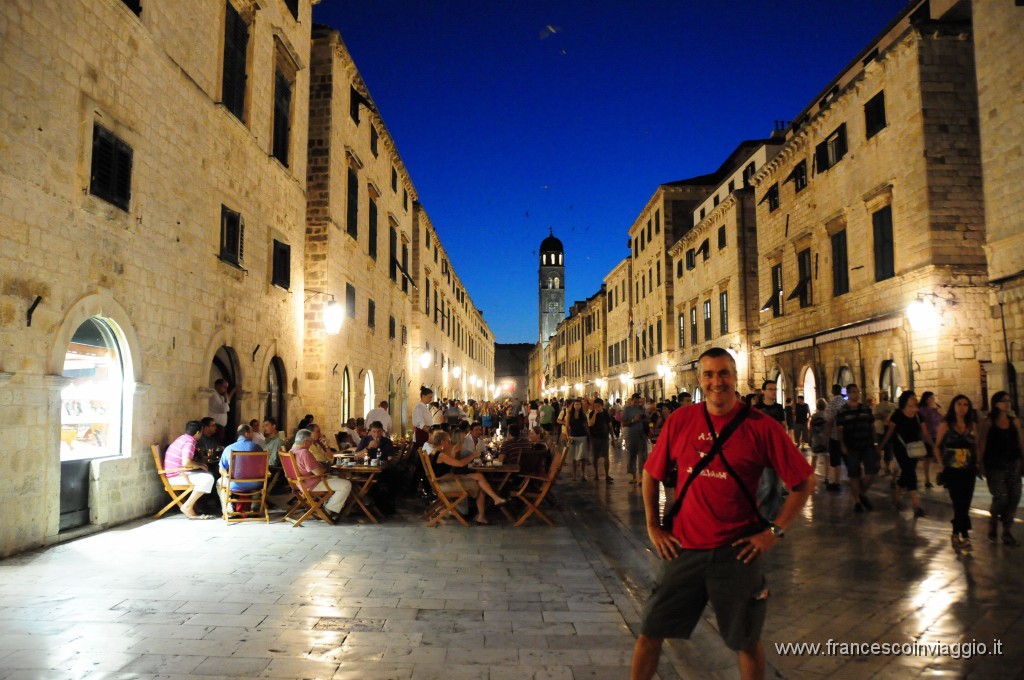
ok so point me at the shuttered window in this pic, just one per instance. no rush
(111, 172)
(405, 268)
(352, 213)
(236, 43)
(832, 150)
(884, 260)
(693, 326)
(282, 117)
(707, 319)
(721, 237)
(840, 268)
(371, 246)
(393, 250)
(723, 311)
(874, 115)
(371, 313)
(282, 265)
(232, 236)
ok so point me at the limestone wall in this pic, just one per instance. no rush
(151, 271)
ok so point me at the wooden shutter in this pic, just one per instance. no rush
(236, 42)
(282, 117)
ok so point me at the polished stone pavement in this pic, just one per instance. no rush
(172, 598)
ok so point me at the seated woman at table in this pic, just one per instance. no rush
(540, 460)
(447, 465)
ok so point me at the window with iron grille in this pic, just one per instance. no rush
(707, 319)
(371, 314)
(840, 268)
(393, 250)
(232, 236)
(371, 245)
(693, 326)
(721, 237)
(373, 140)
(874, 115)
(831, 151)
(282, 117)
(236, 47)
(723, 311)
(352, 209)
(282, 265)
(884, 262)
(392, 327)
(110, 176)
(350, 300)
(293, 8)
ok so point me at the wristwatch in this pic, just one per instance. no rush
(776, 530)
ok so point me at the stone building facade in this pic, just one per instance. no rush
(145, 187)
(161, 176)
(999, 64)
(619, 288)
(714, 275)
(870, 224)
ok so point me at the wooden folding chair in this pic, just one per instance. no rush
(448, 497)
(177, 490)
(250, 468)
(310, 501)
(535, 489)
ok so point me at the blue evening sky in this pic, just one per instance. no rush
(516, 116)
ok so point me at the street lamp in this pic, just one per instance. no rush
(425, 359)
(456, 372)
(333, 312)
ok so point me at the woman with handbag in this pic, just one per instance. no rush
(956, 451)
(906, 430)
(999, 462)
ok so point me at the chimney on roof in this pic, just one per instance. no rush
(779, 131)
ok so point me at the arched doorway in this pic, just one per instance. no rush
(225, 365)
(346, 396)
(369, 393)
(810, 389)
(890, 380)
(93, 407)
(844, 377)
(781, 387)
(274, 406)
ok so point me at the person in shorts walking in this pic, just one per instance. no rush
(856, 425)
(717, 538)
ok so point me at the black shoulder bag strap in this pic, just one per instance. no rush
(732, 473)
(718, 441)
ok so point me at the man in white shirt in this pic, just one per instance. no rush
(473, 444)
(380, 415)
(421, 417)
(219, 405)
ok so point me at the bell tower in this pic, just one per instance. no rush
(551, 284)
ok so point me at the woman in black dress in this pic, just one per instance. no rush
(956, 450)
(905, 426)
(999, 462)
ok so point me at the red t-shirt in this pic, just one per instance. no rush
(715, 512)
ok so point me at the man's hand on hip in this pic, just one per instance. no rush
(665, 544)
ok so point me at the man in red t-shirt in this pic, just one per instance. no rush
(714, 549)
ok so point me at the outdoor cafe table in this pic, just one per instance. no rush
(363, 477)
(502, 474)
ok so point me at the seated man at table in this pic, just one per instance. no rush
(473, 445)
(307, 465)
(273, 441)
(181, 454)
(243, 443)
(208, 435)
(376, 444)
(513, 446)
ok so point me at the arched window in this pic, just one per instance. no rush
(557, 283)
(274, 407)
(549, 282)
(780, 384)
(559, 258)
(92, 407)
(369, 395)
(890, 380)
(346, 396)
